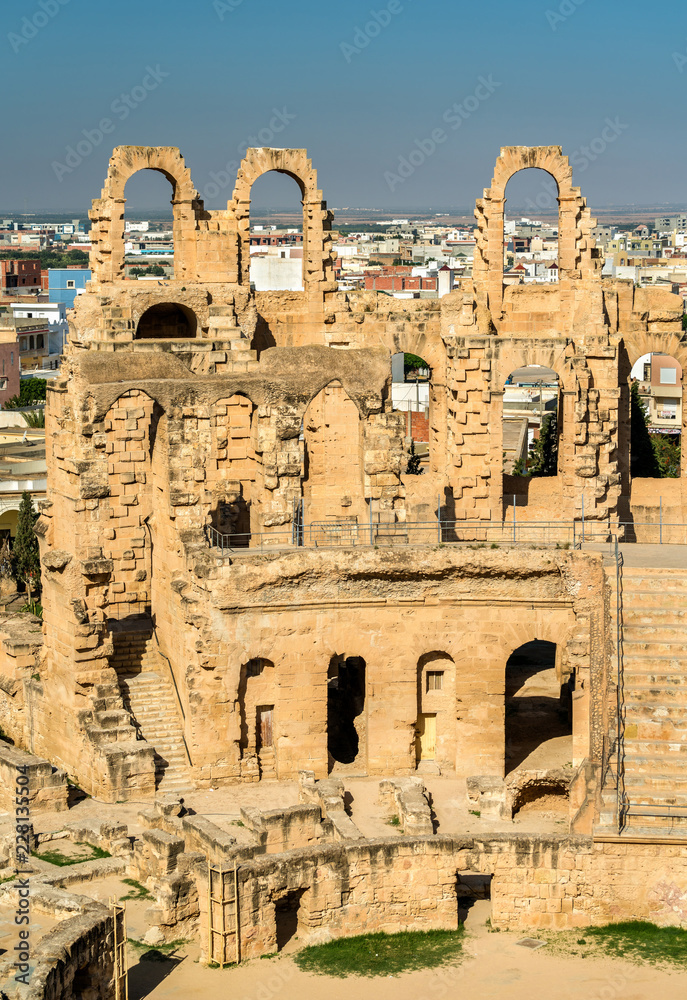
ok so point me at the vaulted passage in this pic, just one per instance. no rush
(346, 719)
(538, 714)
(166, 321)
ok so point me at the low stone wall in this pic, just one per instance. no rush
(287, 829)
(75, 958)
(564, 882)
(344, 889)
(46, 789)
(339, 890)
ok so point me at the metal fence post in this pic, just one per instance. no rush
(583, 518)
(372, 541)
(515, 503)
(439, 518)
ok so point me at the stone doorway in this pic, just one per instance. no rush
(538, 723)
(346, 715)
(286, 912)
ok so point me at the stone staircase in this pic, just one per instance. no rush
(654, 638)
(149, 698)
(267, 764)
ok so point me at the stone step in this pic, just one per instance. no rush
(641, 616)
(655, 709)
(655, 784)
(671, 693)
(654, 647)
(648, 753)
(664, 730)
(666, 663)
(639, 678)
(663, 632)
(666, 600)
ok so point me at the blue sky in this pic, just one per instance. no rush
(362, 86)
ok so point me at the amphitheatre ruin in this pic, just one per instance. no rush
(263, 640)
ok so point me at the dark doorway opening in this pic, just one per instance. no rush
(346, 732)
(474, 897)
(166, 321)
(286, 915)
(538, 721)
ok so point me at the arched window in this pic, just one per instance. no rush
(411, 378)
(276, 234)
(148, 227)
(531, 424)
(531, 229)
(31, 343)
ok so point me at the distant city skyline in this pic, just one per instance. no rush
(400, 104)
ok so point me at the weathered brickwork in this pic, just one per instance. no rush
(206, 442)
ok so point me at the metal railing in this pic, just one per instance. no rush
(349, 534)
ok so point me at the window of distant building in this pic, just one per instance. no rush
(39, 340)
(668, 376)
(31, 343)
(3, 383)
(647, 372)
(71, 283)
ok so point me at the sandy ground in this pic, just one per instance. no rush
(494, 966)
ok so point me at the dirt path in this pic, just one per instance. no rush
(495, 968)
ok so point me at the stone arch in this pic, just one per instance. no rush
(577, 254)
(318, 275)
(333, 486)
(257, 706)
(107, 213)
(435, 745)
(233, 468)
(131, 429)
(167, 321)
(538, 707)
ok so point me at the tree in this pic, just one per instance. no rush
(31, 391)
(668, 453)
(34, 418)
(543, 460)
(414, 468)
(25, 552)
(643, 461)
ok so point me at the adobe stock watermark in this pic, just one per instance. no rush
(22, 853)
(30, 26)
(580, 159)
(564, 12)
(221, 179)
(454, 116)
(224, 7)
(379, 19)
(121, 107)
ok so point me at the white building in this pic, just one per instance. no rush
(56, 315)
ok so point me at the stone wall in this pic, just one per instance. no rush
(46, 789)
(391, 885)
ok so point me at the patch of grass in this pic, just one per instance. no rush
(140, 890)
(494, 545)
(237, 822)
(475, 812)
(490, 927)
(60, 860)
(160, 953)
(382, 954)
(635, 940)
(8, 879)
(394, 821)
